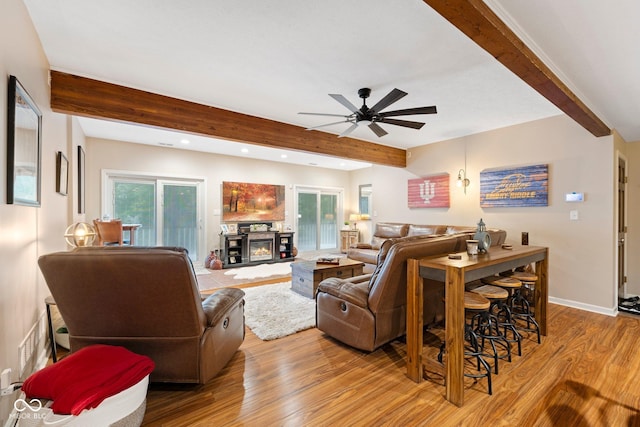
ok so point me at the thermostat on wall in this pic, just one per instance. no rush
(574, 197)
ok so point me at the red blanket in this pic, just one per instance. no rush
(85, 378)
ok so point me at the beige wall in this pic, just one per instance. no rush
(26, 232)
(105, 154)
(581, 252)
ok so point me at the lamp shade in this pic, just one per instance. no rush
(354, 217)
(80, 234)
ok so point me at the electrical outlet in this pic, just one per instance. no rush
(5, 378)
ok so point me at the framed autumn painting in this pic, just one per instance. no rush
(244, 201)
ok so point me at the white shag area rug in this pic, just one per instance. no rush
(260, 270)
(200, 271)
(275, 311)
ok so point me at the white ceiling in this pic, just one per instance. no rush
(275, 59)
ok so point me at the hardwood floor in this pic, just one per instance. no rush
(585, 373)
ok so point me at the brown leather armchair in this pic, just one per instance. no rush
(147, 300)
(368, 311)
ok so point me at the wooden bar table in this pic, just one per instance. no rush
(455, 273)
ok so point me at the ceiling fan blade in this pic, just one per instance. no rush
(411, 111)
(324, 114)
(389, 99)
(377, 130)
(328, 124)
(404, 123)
(349, 130)
(344, 101)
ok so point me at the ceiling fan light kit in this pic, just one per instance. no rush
(365, 116)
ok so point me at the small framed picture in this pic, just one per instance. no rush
(233, 228)
(62, 174)
(81, 182)
(224, 228)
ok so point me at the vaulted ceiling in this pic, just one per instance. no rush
(230, 74)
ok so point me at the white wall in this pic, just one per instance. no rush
(105, 154)
(582, 267)
(26, 232)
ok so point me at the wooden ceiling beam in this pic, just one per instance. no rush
(475, 19)
(81, 96)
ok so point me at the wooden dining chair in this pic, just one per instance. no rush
(109, 232)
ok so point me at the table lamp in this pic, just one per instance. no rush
(353, 218)
(80, 234)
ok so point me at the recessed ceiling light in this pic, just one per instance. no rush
(343, 164)
(184, 141)
(245, 150)
(283, 156)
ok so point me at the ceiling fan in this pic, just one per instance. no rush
(374, 115)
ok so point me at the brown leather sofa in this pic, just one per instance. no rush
(368, 311)
(147, 300)
(368, 252)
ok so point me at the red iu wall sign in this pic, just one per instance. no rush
(429, 191)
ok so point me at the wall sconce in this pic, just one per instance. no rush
(463, 181)
(80, 234)
(353, 218)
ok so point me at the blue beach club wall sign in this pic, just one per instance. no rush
(514, 187)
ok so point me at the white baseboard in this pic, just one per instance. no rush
(587, 307)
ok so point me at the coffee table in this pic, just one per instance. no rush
(307, 275)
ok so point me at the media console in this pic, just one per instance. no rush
(255, 247)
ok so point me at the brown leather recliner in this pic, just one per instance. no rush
(368, 311)
(147, 300)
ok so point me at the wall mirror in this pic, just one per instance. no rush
(365, 200)
(23, 147)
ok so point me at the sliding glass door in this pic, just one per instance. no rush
(317, 216)
(179, 216)
(134, 202)
(168, 210)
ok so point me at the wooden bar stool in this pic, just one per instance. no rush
(487, 326)
(474, 302)
(520, 305)
(510, 284)
(500, 309)
(528, 284)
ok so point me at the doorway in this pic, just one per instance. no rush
(622, 228)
